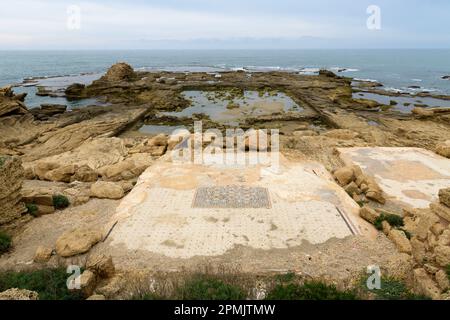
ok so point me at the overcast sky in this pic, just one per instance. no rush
(215, 24)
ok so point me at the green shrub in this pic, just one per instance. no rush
(447, 269)
(309, 291)
(394, 220)
(203, 287)
(5, 242)
(2, 161)
(50, 284)
(32, 209)
(392, 289)
(60, 202)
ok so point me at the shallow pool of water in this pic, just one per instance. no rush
(404, 104)
(229, 106)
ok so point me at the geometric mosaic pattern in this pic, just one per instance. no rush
(233, 197)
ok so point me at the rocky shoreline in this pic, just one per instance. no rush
(95, 155)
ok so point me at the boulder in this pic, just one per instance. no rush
(369, 214)
(400, 240)
(426, 221)
(43, 254)
(352, 188)
(101, 265)
(84, 174)
(11, 104)
(422, 112)
(107, 190)
(11, 177)
(441, 210)
(443, 149)
(42, 168)
(38, 199)
(442, 280)
(43, 210)
(88, 282)
(442, 255)
(76, 91)
(62, 174)
(418, 250)
(344, 175)
(425, 285)
(77, 242)
(444, 197)
(160, 140)
(18, 294)
(386, 227)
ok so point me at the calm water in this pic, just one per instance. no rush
(395, 68)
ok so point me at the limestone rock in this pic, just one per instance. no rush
(444, 238)
(44, 210)
(400, 240)
(344, 175)
(77, 242)
(85, 174)
(10, 104)
(18, 294)
(11, 177)
(442, 255)
(342, 134)
(418, 250)
(101, 265)
(422, 112)
(425, 285)
(43, 254)
(352, 188)
(160, 140)
(444, 196)
(87, 281)
(443, 149)
(107, 190)
(76, 91)
(119, 72)
(386, 227)
(441, 210)
(442, 280)
(425, 223)
(369, 214)
(61, 174)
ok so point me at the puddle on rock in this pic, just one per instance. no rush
(228, 106)
(404, 104)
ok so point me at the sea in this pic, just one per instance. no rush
(399, 70)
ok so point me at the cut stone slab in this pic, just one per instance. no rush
(411, 177)
(158, 215)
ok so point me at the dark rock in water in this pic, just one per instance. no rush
(21, 97)
(327, 73)
(446, 77)
(414, 87)
(76, 91)
(48, 110)
(393, 103)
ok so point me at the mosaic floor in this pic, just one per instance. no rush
(231, 197)
(183, 211)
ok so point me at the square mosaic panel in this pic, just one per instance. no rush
(233, 197)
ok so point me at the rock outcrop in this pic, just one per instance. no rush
(18, 294)
(119, 72)
(443, 149)
(11, 177)
(107, 190)
(77, 242)
(11, 104)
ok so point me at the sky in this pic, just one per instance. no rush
(222, 24)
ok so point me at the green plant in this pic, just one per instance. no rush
(204, 287)
(394, 220)
(447, 269)
(5, 242)
(2, 161)
(392, 289)
(309, 291)
(60, 202)
(50, 284)
(32, 209)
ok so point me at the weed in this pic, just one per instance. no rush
(60, 202)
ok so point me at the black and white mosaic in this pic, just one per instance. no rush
(232, 197)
